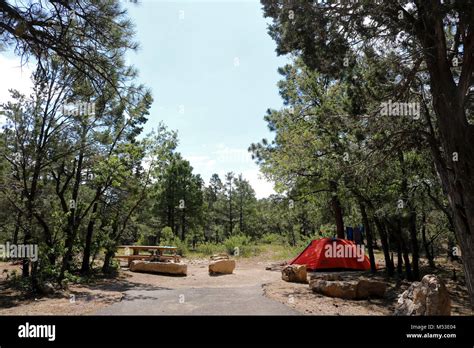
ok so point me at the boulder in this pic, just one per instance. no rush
(370, 288)
(428, 297)
(222, 267)
(159, 267)
(326, 276)
(294, 274)
(335, 288)
(350, 289)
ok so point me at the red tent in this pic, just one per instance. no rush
(331, 254)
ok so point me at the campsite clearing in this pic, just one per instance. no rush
(250, 278)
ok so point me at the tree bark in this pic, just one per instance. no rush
(397, 231)
(456, 164)
(429, 254)
(399, 259)
(108, 257)
(85, 268)
(337, 209)
(73, 223)
(414, 244)
(411, 219)
(385, 246)
(17, 228)
(368, 231)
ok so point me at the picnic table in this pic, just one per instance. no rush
(155, 252)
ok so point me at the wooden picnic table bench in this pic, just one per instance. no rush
(159, 253)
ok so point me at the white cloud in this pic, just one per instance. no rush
(262, 187)
(225, 154)
(201, 163)
(13, 76)
(226, 159)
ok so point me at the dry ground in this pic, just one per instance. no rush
(90, 298)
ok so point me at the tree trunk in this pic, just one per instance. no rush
(398, 233)
(411, 218)
(241, 215)
(399, 259)
(231, 220)
(414, 244)
(25, 270)
(455, 165)
(73, 223)
(368, 231)
(17, 228)
(85, 268)
(406, 259)
(34, 276)
(108, 257)
(337, 209)
(25, 264)
(426, 246)
(385, 247)
(183, 224)
(459, 184)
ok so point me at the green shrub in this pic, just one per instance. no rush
(147, 235)
(166, 234)
(273, 238)
(240, 245)
(236, 244)
(182, 246)
(210, 248)
(327, 230)
(16, 281)
(250, 250)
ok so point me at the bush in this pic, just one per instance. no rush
(250, 250)
(16, 281)
(166, 234)
(327, 230)
(210, 248)
(273, 238)
(147, 235)
(235, 244)
(182, 247)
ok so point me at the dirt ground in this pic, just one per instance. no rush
(89, 298)
(78, 300)
(301, 298)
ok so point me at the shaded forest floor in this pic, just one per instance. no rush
(83, 299)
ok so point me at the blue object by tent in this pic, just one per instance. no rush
(350, 233)
(357, 236)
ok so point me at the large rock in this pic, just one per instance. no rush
(336, 288)
(159, 267)
(222, 267)
(428, 297)
(370, 288)
(351, 289)
(294, 274)
(326, 276)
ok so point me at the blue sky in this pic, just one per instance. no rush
(212, 69)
